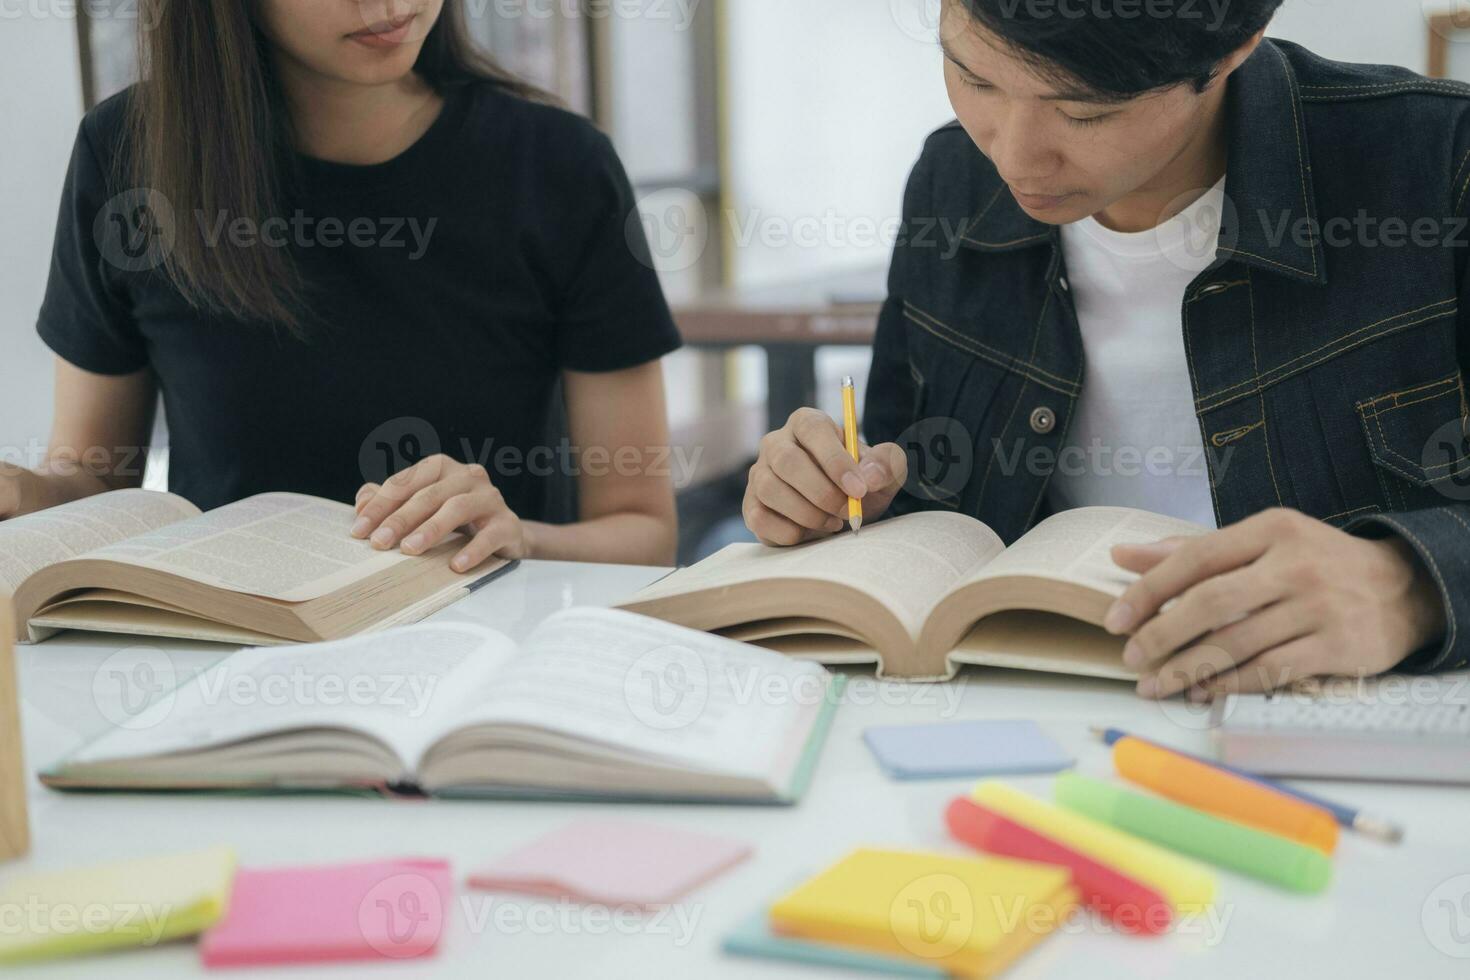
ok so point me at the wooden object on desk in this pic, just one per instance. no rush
(1445, 29)
(15, 838)
(841, 309)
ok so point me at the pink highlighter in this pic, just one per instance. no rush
(1131, 905)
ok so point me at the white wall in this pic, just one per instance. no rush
(828, 105)
(40, 106)
(1382, 32)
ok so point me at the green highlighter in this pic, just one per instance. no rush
(1222, 842)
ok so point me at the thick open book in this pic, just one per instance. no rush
(594, 703)
(924, 593)
(275, 568)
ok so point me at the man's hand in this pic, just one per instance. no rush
(1277, 598)
(430, 500)
(800, 483)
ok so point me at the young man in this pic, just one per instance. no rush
(1159, 261)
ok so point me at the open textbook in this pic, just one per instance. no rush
(275, 568)
(924, 593)
(595, 703)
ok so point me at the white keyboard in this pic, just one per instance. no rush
(1393, 728)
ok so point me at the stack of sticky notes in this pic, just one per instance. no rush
(332, 913)
(135, 903)
(914, 913)
(613, 862)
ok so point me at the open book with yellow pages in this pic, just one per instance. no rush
(924, 593)
(270, 569)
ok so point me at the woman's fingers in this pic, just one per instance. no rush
(464, 508)
(499, 534)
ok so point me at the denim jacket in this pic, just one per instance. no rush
(1327, 347)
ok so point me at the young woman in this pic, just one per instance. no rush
(336, 239)
(1292, 376)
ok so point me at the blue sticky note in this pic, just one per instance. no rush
(965, 748)
(754, 937)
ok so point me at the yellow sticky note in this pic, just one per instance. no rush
(966, 915)
(1188, 886)
(140, 902)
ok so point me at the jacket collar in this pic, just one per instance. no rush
(1271, 213)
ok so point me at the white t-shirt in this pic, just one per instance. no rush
(1135, 440)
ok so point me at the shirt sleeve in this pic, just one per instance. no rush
(613, 314)
(86, 316)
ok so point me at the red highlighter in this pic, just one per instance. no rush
(1133, 907)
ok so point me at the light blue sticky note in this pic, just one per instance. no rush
(754, 937)
(965, 748)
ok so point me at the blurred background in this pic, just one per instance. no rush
(768, 140)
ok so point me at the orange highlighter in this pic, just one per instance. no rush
(1204, 787)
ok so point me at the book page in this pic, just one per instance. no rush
(1075, 546)
(401, 686)
(645, 686)
(31, 543)
(282, 546)
(907, 563)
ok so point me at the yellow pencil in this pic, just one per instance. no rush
(849, 427)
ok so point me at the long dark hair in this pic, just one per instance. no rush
(210, 131)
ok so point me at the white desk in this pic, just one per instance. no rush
(1375, 921)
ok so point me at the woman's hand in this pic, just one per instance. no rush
(421, 506)
(799, 485)
(1275, 599)
(10, 476)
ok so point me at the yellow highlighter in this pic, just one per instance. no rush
(850, 434)
(1187, 886)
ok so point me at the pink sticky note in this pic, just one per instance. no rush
(379, 910)
(613, 862)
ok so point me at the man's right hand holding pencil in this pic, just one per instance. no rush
(800, 484)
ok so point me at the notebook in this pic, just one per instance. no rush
(373, 910)
(135, 903)
(965, 748)
(613, 862)
(594, 704)
(1359, 729)
(966, 915)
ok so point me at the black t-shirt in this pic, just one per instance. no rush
(451, 286)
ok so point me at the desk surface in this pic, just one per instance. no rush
(1391, 912)
(841, 308)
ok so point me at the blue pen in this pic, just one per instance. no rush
(1363, 823)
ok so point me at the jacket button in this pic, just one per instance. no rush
(1043, 420)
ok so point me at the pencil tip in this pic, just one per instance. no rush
(1098, 731)
(857, 524)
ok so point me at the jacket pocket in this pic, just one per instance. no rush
(1419, 439)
